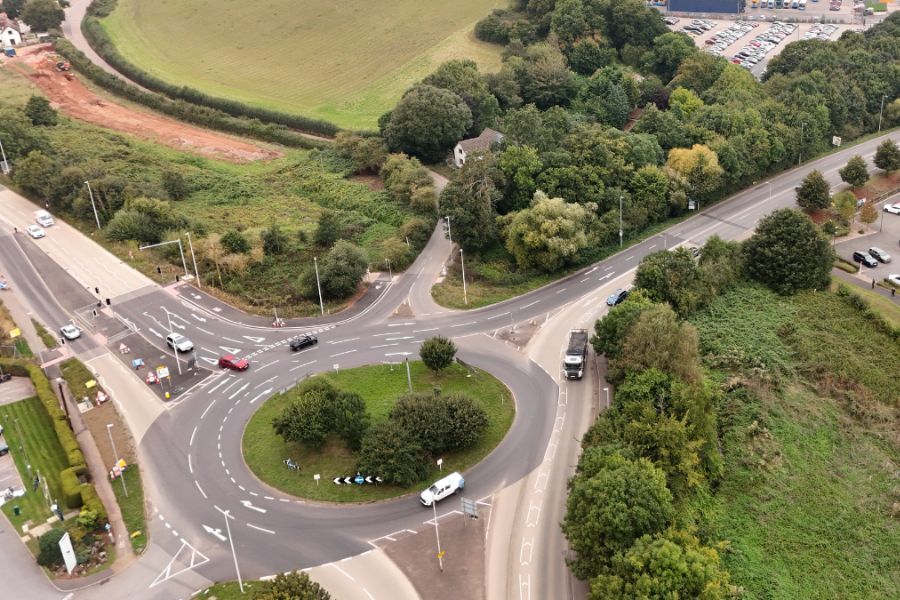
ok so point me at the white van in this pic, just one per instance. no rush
(449, 485)
(43, 218)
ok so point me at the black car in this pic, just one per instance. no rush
(864, 258)
(299, 343)
(617, 297)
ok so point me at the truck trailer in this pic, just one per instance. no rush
(576, 354)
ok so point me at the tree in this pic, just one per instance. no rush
(49, 554)
(788, 253)
(274, 240)
(887, 156)
(175, 185)
(462, 78)
(427, 122)
(392, 453)
(674, 277)
(550, 234)
(608, 510)
(350, 419)
(366, 153)
(35, 172)
(520, 166)
(329, 228)
(407, 181)
(437, 353)
(670, 564)
(40, 112)
(295, 585)
(43, 15)
(684, 102)
(308, 420)
(657, 340)
(855, 173)
(235, 242)
(845, 205)
(667, 53)
(699, 166)
(440, 423)
(868, 214)
(610, 331)
(340, 271)
(545, 79)
(814, 192)
(13, 8)
(19, 136)
(470, 201)
(649, 187)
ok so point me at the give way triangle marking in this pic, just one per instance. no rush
(184, 563)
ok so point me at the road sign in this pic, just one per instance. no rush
(162, 371)
(835, 140)
(65, 546)
(470, 508)
(15, 332)
(440, 464)
(337, 481)
(317, 477)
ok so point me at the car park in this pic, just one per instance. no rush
(36, 231)
(303, 341)
(179, 342)
(230, 361)
(894, 209)
(617, 297)
(70, 332)
(879, 255)
(446, 486)
(864, 259)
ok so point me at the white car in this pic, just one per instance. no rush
(70, 332)
(894, 209)
(36, 231)
(449, 485)
(43, 218)
(179, 342)
(894, 278)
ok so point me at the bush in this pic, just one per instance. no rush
(274, 240)
(71, 488)
(341, 270)
(235, 242)
(175, 185)
(437, 353)
(92, 501)
(390, 452)
(321, 409)
(49, 554)
(440, 423)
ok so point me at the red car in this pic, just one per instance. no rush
(230, 361)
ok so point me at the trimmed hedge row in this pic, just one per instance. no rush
(91, 501)
(71, 488)
(102, 44)
(180, 109)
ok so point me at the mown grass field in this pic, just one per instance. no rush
(346, 62)
(28, 430)
(808, 502)
(379, 386)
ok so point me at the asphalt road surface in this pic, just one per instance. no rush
(191, 452)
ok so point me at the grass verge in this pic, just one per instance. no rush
(36, 450)
(132, 506)
(48, 339)
(379, 386)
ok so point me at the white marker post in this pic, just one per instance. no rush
(317, 477)
(440, 464)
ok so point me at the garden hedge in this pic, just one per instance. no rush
(92, 501)
(71, 487)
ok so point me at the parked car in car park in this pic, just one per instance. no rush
(894, 209)
(864, 259)
(879, 255)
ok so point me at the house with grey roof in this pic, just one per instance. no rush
(482, 143)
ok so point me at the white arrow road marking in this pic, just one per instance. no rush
(248, 504)
(394, 339)
(156, 333)
(196, 296)
(234, 351)
(607, 276)
(199, 318)
(255, 340)
(260, 395)
(215, 532)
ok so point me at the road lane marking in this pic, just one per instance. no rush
(424, 330)
(384, 345)
(342, 353)
(260, 528)
(400, 324)
(190, 466)
(260, 395)
(528, 305)
(301, 366)
(346, 574)
(231, 397)
(465, 324)
(258, 385)
(200, 488)
(268, 364)
(208, 407)
(495, 316)
(393, 339)
(342, 341)
(191, 443)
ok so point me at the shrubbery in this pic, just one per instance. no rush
(440, 423)
(437, 352)
(321, 410)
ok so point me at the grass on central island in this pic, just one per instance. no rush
(379, 386)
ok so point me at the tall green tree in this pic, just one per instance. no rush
(608, 510)
(394, 454)
(40, 112)
(855, 173)
(887, 156)
(427, 122)
(788, 253)
(657, 340)
(669, 50)
(550, 234)
(699, 166)
(366, 153)
(470, 201)
(340, 271)
(670, 564)
(462, 78)
(43, 15)
(814, 192)
(520, 166)
(13, 8)
(673, 276)
(295, 585)
(610, 331)
(274, 240)
(329, 228)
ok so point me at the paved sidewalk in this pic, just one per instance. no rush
(857, 281)
(22, 319)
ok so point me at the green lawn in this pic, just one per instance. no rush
(32, 441)
(132, 507)
(379, 387)
(345, 62)
(808, 500)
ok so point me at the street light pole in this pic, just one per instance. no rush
(318, 285)
(606, 389)
(437, 534)
(880, 112)
(94, 206)
(800, 148)
(5, 164)
(390, 271)
(116, 454)
(194, 258)
(231, 542)
(175, 347)
(449, 234)
(462, 263)
(621, 198)
(769, 183)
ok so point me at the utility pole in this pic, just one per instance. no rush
(621, 198)
(880, 113)
(94, 206)
(318, 285)
(116, 454)
(462, 263)
(175, 347)
(231, 541)
(449, 235)
(437, 534)
(408, 376)
(5, 163)
(194, 258)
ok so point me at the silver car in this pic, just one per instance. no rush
(880, 255)
(179, 342)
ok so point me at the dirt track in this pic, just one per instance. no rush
(75, 100)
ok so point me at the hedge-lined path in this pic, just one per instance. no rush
(77, 101)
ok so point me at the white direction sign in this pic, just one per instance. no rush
(65, 546)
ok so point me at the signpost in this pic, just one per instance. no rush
(65, 546)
